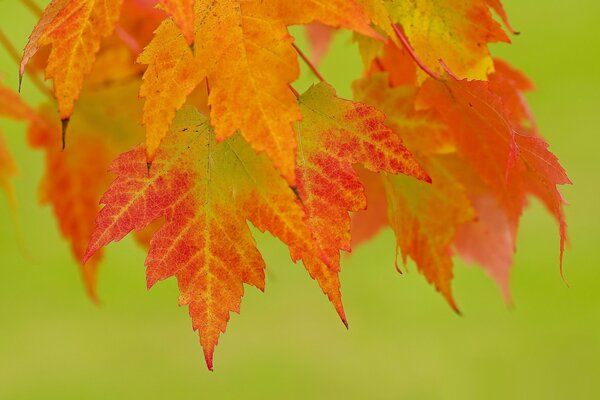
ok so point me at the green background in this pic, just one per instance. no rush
(403, 342)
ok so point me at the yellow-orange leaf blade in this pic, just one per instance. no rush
(74, 29)
(172, 74)
(455, 31)
(250, 63)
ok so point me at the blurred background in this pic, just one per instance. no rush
(403, 342)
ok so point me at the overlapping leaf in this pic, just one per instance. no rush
(455, 31)
(479, 143)
(424, 217)
(245, 52)
(335, 134)
(205, 192)
(74, 29)
(76, 177)
(511, 162)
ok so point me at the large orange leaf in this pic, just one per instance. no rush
(206, 191)
(250, 62)
(335, 134)
(74, 29)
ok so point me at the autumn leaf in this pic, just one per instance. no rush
(75, 178)
(172, 74)
(454, 31)
(74, 29)
(439, 142)
(206, 192)
(457, 210)
(511, 162)
(333, 135)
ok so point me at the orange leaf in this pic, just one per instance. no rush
(74, 29)
(333, 135)
(510, 161)
(76, 177)
(172, 75)
(206, 192)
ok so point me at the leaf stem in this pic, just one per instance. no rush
(412, 53)
(294, 91)
(308, 63)
(33, 7)
(16, 56)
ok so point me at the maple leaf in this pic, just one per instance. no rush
(74, 29)
(429, 220)
(172, 75)
(446, 153)
(454, 31)
(333, 135)
(205, 192)
(75, 178)
(512, 163)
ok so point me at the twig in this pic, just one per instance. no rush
(33, 7)
(294, 91)
(308, 63)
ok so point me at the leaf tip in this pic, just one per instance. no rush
(64, 125)
(208, 357)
